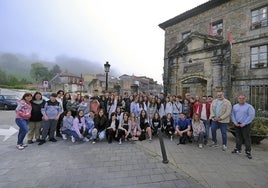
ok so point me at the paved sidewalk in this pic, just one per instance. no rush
(64, 164)
(213, 167)
(86, 165)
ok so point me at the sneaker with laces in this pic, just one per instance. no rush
(200, 146)
(224, 147)
(30, 142)
(64, 137)
(41, 142)
(213, 144)
(85, 139)
(19, 147)
(94, 141)
(52, 140)
(236, 151)
(249, 156)
(73, 139)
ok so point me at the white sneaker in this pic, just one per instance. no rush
(224, 147)
(24, 145)
(120, 141)
(73, 139)
(64, 137)
(85, 139)
(200, 146)
(19, 147)
(171, 138)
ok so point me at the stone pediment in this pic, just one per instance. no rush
(194, 42)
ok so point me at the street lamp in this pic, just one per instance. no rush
(107, 69)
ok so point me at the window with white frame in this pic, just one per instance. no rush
(259, 17)
(217, 27)
(258, 56)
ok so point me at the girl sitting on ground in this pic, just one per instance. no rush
(168, 126)
(112, 127)
(124, 128)
(144, 126)
(156, 123)
(134, 131)
(198, 130)
(67, 126)
(79, 126)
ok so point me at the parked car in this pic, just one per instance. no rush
(45, 98)
(8, 102)
(46, 95)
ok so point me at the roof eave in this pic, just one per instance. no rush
(192, 12)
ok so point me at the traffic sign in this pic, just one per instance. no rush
(45, 84)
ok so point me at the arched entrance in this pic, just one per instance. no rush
(194, 85)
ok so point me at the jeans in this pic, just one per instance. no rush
(223, 127)
(175, 119)
(243, 133)
(95, 133)
(89, 131)
(70, 133)
(23, 125)
(207, 127)
(199, 138)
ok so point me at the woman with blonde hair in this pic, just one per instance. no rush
(134, 131)
(198, 130)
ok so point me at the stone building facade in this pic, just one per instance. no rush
(221, 45)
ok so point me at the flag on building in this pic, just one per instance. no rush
(211, 29)
(229, 38)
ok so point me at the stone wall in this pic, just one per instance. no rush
(235, 66)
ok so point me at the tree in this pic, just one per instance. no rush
(3, 77)
(12, 80)
(55, 70)
(39, 72)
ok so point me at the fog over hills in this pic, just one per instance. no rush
(19, 65)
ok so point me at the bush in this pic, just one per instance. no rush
(259, 126)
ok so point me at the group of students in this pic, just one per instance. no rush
(116, 118)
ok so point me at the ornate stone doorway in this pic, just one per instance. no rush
(194, 85)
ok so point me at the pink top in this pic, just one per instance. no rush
(23, 110)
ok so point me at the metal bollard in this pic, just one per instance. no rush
(162, 145)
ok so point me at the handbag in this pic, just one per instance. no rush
(142, 136)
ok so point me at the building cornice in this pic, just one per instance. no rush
(192, 12)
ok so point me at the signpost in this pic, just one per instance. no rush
(45, 85)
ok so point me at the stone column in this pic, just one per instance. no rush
(216, 72)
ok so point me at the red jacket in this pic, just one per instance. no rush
(198, 106)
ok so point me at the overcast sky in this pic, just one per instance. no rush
(123, 32)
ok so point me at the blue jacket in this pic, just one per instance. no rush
(52, 109)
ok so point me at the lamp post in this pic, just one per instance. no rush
(106, 69)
